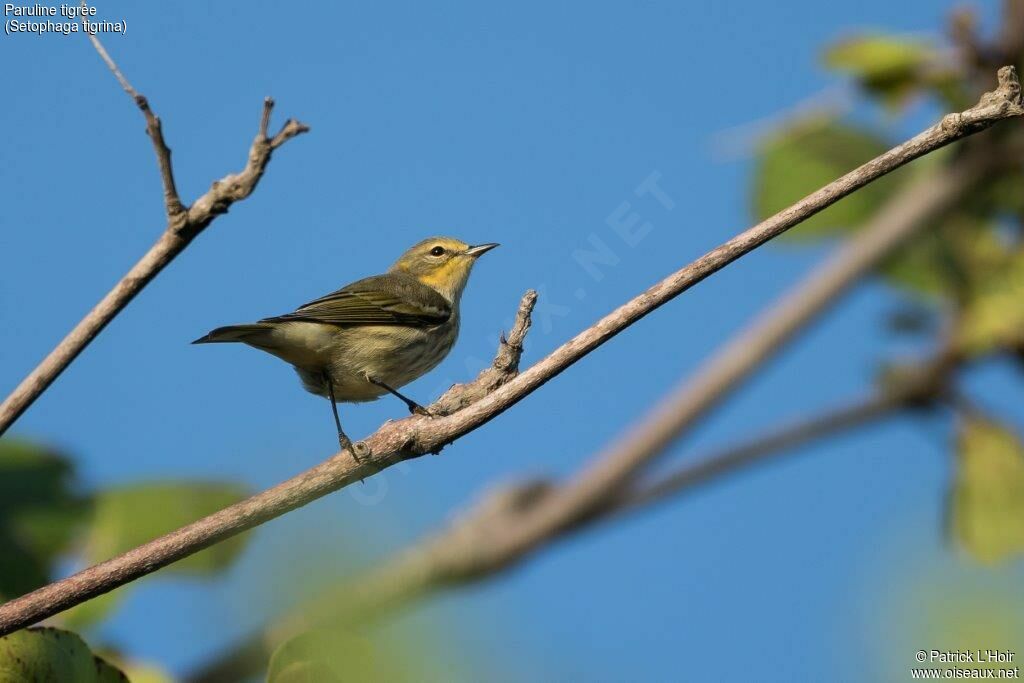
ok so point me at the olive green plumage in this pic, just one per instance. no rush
(376, 334)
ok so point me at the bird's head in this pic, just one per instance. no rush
(442, 263)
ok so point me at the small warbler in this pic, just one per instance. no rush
(375, 335)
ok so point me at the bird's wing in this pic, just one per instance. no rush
(393, 299)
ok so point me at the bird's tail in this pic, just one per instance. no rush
(236, 333)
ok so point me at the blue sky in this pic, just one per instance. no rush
(526, 124)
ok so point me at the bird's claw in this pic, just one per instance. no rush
(358, 450)
(417, 409)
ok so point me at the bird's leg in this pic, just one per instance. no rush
(414, 407)
(343, 440)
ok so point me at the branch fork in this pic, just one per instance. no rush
(237, 186)
(183, 225)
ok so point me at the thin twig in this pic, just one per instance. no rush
(417, 435)
(183, 224)
(172, 202)
(111, 64)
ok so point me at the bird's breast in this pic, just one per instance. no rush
(393, 354)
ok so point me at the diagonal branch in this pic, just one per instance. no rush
(613, 468)
(463, 552)
(183, 225)
(910, 212)
(470, 549)
(417, 435)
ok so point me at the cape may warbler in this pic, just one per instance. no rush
(375, 335)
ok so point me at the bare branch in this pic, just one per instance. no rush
(753, 452)
(504, 368)
(111, 64)
(467, 550)
(417, 435)
(612, 469)
(172, 202)
(463, 552)
(237, 186)
(736, 360)
(183, 224)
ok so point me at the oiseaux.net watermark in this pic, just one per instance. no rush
(965, 664)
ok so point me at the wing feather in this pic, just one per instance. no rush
(393, 299)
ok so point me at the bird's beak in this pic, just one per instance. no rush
(479, 249)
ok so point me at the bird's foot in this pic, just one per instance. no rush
(346, 443)
(358, 450)
(417, 409)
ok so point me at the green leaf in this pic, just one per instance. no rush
(993, 314)
(876, 55)
(137, 671)
(1004, 193)
(39, 514)
(128, 516)
(146, 673)
(812, 153)
(49, 654)
(331, 656)
(92, 611)
(939, 605)
(987, 501)
(946, 260)
(306, 672)
(892, 68)
(911, 319)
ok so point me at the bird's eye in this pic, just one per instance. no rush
(437, 251)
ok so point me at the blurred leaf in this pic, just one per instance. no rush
(1003, 194)
(877, 55)
(993, 314)
(895, 377)
(812, 153)
(49, 654)
(891, 67)
(946, 260)
(128, 516)
(137, 671)
(89, 613)
(911, 319)
(946, 607)
(987, 501)
(39, 514)
(332, 655)
(146, 673)
(306, 672)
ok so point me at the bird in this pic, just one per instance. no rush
(375, 335)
